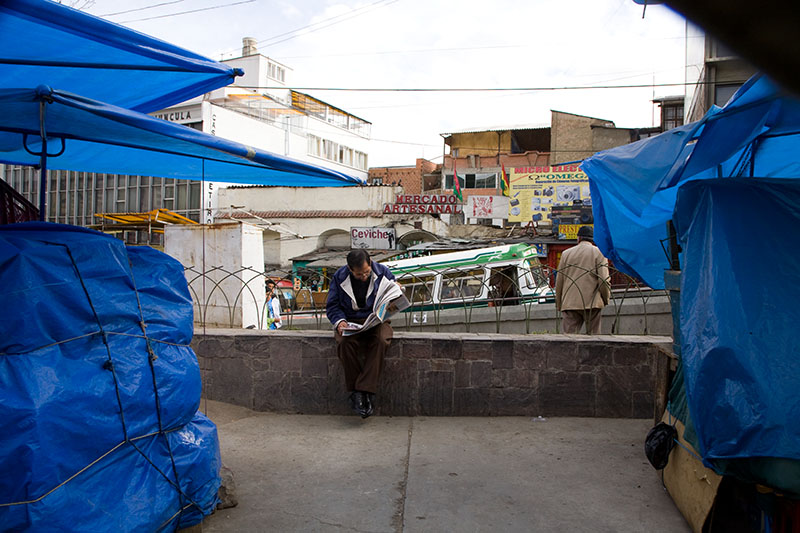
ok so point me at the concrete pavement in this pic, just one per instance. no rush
(392, 474)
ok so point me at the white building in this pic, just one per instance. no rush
(259, 111)
(298, 221)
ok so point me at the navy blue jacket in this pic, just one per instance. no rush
(341, 300)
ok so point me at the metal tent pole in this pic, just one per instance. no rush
(42, 164)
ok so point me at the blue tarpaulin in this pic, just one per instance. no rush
(98, 79)
(100, 137)
(99, 389)
(634, 186)
(42, 42)
(739, 319)
(731, 185)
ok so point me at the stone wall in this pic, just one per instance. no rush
(441, 374)
(633, 316)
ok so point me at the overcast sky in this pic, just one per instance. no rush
(434, 44)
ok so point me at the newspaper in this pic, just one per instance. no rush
(388, 301)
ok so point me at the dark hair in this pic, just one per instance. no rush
(586, 233)
(357, 257)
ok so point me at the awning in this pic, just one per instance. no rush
(42, 42)
(153, 221)
(98, 137)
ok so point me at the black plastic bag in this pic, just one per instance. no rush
(659, 443)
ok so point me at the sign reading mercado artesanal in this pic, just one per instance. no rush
(408, 204)
(534, 190)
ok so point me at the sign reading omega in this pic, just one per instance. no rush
(406, 204)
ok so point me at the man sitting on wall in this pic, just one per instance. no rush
(583, 285)
(351, 297)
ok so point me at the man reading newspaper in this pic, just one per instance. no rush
(362, 295)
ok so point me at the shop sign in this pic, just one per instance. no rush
(407, 204)
(186, 115)
(535, 190)
(570, 231)
(373, 238)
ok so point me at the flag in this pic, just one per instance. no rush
(456, 185)
(505, 186)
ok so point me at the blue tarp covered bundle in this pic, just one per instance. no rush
(99, 389)
(731, 185)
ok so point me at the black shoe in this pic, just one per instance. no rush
(358, 403)
(369, 401)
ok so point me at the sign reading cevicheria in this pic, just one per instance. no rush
(373, 238)
(406, 204)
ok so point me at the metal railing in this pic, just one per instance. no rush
(465, 300)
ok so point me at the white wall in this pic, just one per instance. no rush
(232, 256)
(309, 199)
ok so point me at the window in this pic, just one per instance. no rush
(336, 152)
(418, 289)
(485, 181)
(671, 116)
(462, 285)
(472, 181)
(276, 73)
(723, 93)
(537, 277)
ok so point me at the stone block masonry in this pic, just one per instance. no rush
(441, 374)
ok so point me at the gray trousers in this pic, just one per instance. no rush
(571, 321)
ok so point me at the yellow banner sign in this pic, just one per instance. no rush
(570, 231)
(535, 190)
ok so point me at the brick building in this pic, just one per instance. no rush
(412, 179)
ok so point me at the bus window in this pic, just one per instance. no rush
(418, 289)
(537, 277)
(504, 285)
(462, 285)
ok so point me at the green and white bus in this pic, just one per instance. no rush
(501, 275)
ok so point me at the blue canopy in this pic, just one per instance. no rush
(97, 79)
(634, 186)
(100, 137)
(42, 42)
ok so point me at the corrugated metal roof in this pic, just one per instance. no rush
(540, 126)
(360, 213)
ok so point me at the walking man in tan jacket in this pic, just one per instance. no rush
(583, 285)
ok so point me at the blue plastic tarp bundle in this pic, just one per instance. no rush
(99, 389)
(739, 324)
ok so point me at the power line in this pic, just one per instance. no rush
(486, 89)
(417, 51)
(352, 14)
(190, 11)
(291, 34)
(142, 8)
